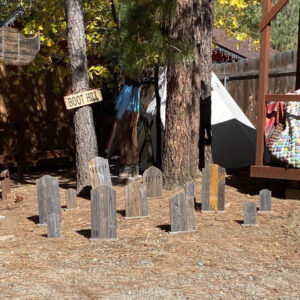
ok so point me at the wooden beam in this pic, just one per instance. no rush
(275, 172)
(282, 97)
(263, 85)
(266, 20)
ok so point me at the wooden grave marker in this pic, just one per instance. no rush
(135, 200)
(53, 228)
(250, 214)
(48, 198)
(153, 180)
(213, 188)
(99, 172)
(16, 49)
(5, 184)
(190, 195)
(103, 214)
(82, 98)
(71, 199)
(182, 213)
(265, 197)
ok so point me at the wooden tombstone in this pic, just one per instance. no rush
(153, 180)
(136, 200)
(48, 198)
(213, 188)
(190, 196)
(182, 213)
(5, 184)
(53, 228)
(265, 197)
(103, 213)
(250, 214)
(99, 172)
(71, 199)
(16, 49)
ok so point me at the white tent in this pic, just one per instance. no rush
(233, 135)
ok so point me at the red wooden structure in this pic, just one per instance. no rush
(259, 169)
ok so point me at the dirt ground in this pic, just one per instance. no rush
(222, 260)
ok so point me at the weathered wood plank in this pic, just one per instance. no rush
(250, 214)
(205, 189)
(53, 225)
(213, 190)
(71, 199)
(103, 213)
(265, 197)
(153, 180)
(221, 189)
(48, 197)
(99, 172)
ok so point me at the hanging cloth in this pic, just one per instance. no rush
(285, 145)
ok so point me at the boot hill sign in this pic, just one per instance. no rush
(83, 98)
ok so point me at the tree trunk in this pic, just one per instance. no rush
(180, 159)
(206, 20)
(157, 117)
(85, 135)
(196, 74)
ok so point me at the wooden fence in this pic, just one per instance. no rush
(241, 79)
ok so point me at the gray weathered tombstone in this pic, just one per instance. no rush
(71, 199)
(182, 213)
(213, 188)
(265, 196)
(53, 222)
(190, 195)
(153, 180)
(99, 172)
(48, 198)
(250, 214)
(136, 200)
(5, 184)
(103, 213)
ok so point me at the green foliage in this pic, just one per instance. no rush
(48, 17)
(284, 28)
(140, 40)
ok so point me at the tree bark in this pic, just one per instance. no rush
(196, 74)
(85, 135)
(206, 20)
(180, 159)
(157, 117)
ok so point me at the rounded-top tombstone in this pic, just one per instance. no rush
(153, 180)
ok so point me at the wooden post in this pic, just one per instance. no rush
(48, 198)
(250, 214)
(5, 184)
(182, 213)
(103, 214)
(71, 199)
(265, 196)
(153, 180)
(53, 222)
(213, 188)
(136, 200)
(263, 85)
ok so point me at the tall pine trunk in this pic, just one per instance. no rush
(85, 135)
(157, 117)
(206, 20)
(180, 160)
(196, 74)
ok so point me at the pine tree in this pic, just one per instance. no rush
(141, 40)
